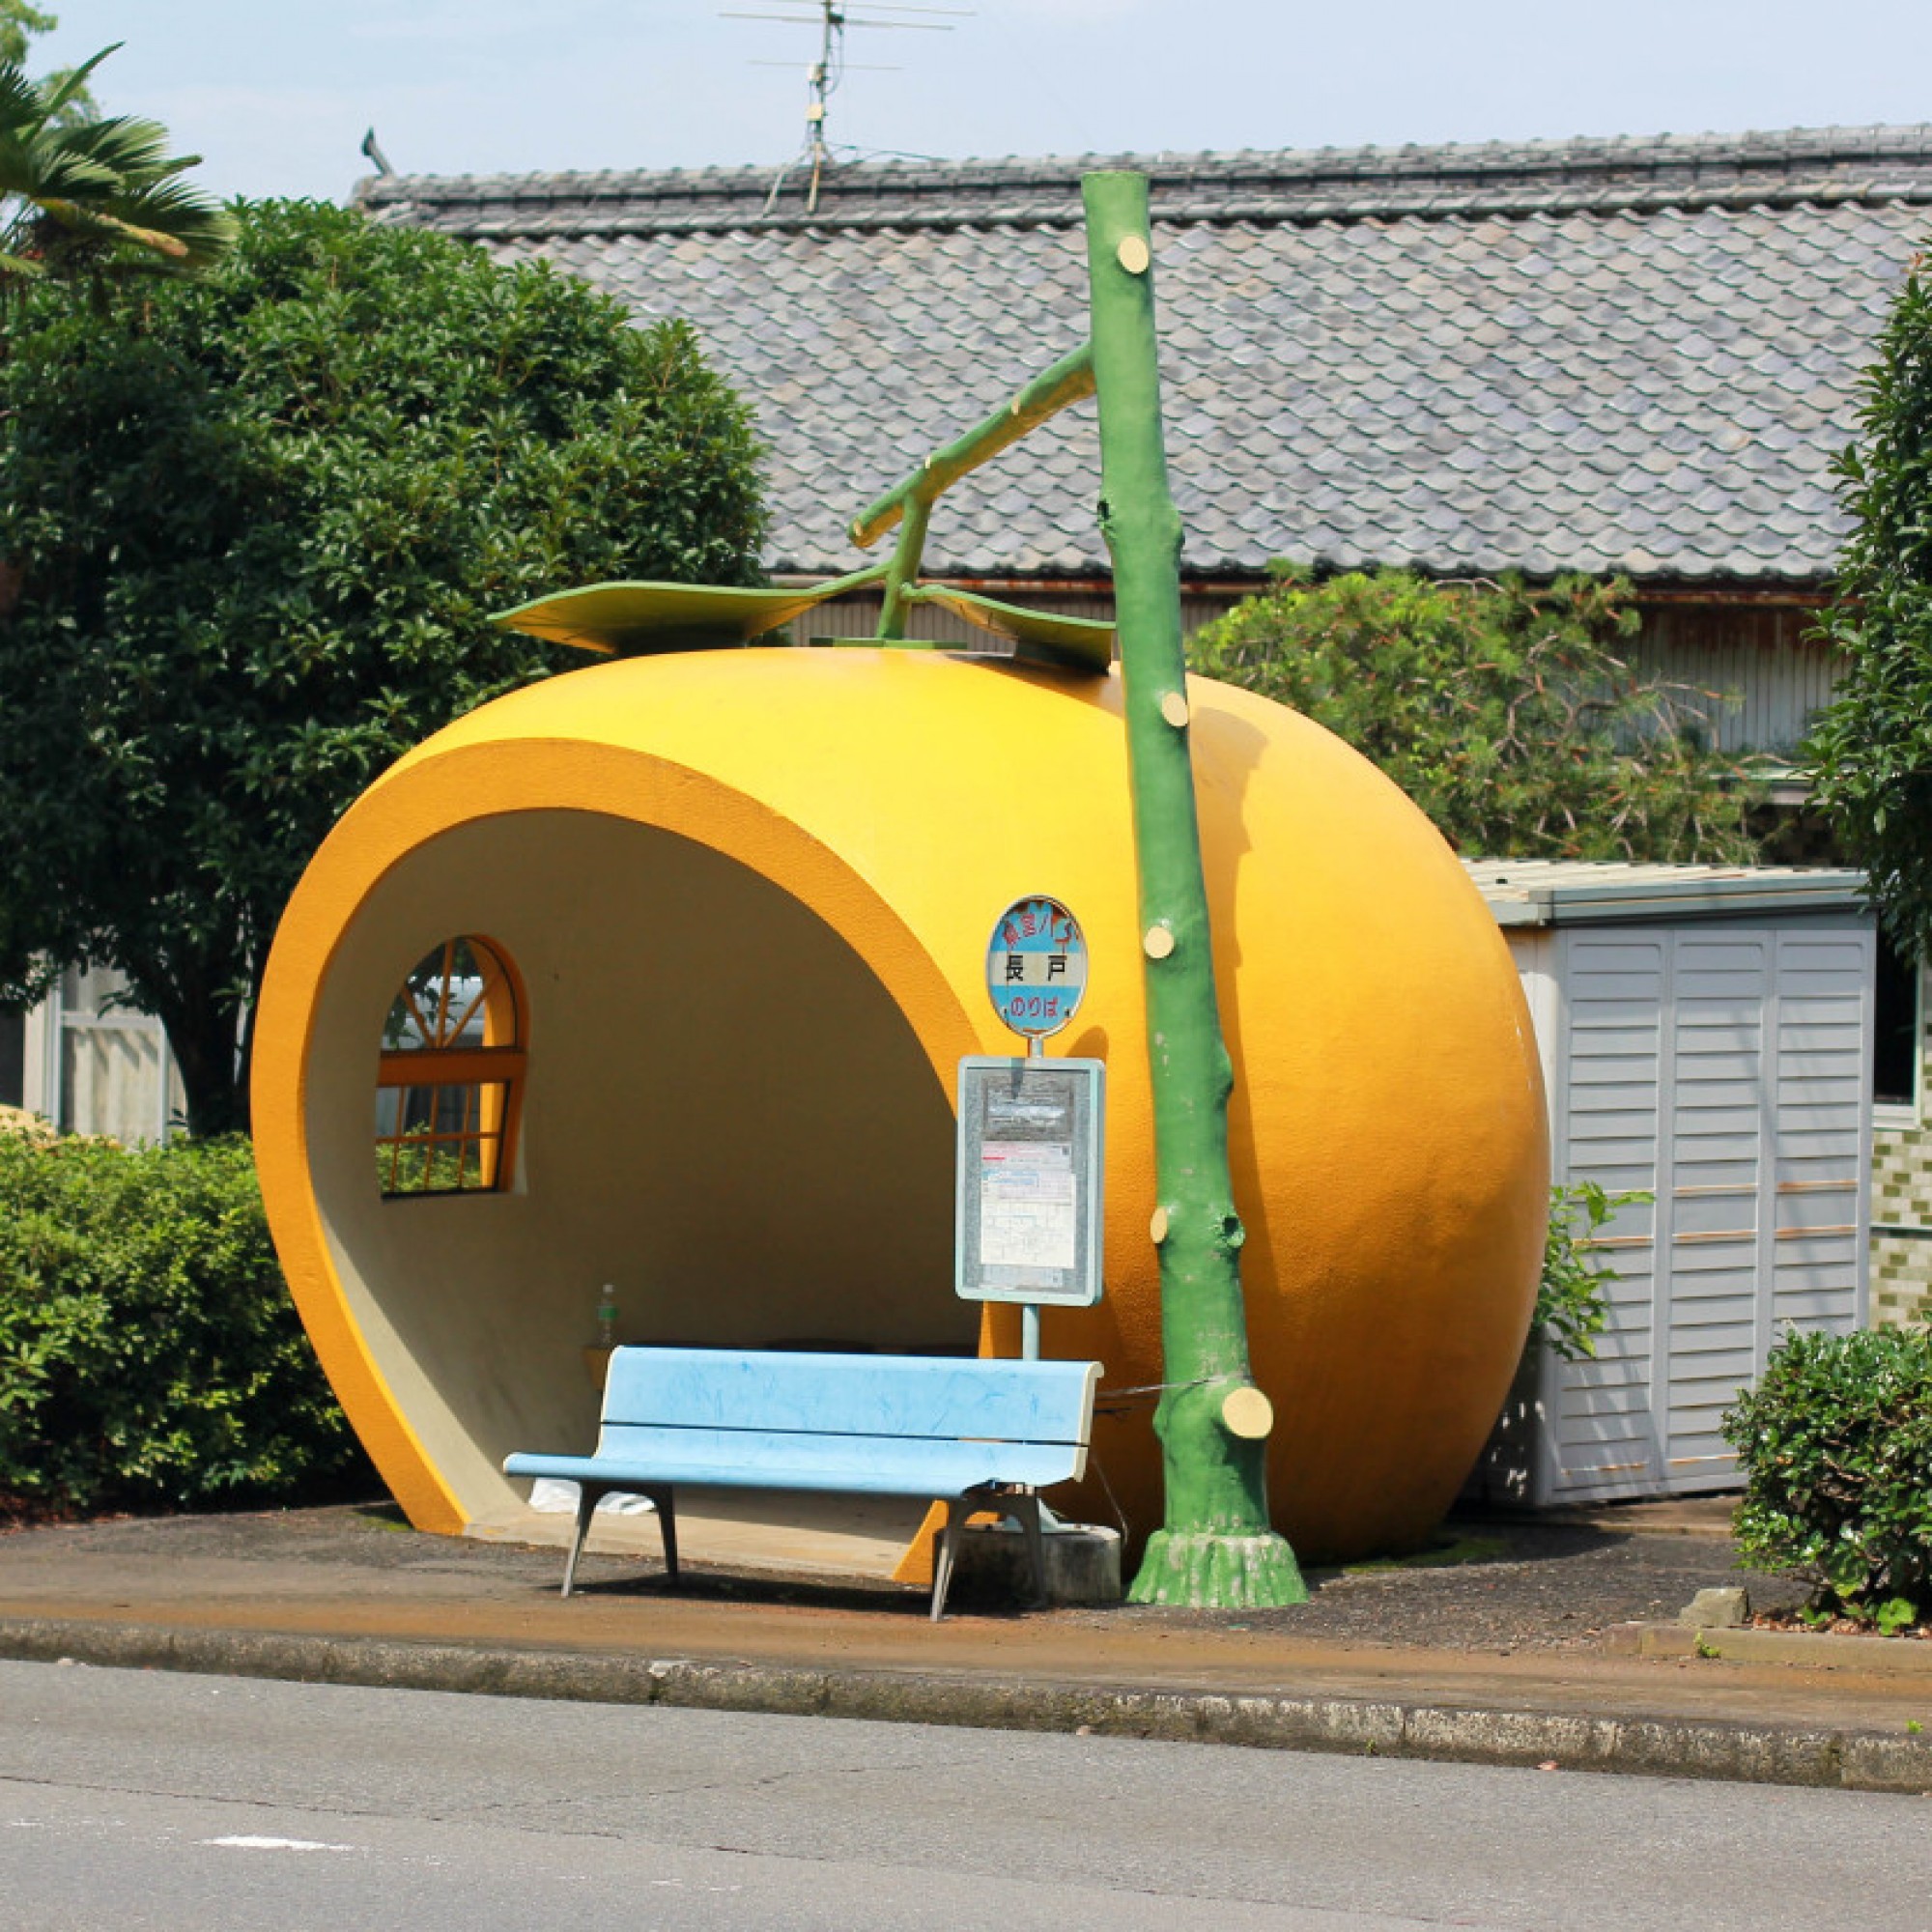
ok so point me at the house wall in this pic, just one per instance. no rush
(1902, 1196)
(858, 616)
(1753, 669)
(94, 1066)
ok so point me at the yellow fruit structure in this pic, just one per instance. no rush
(742, 899)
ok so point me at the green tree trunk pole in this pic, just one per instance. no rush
(1217, 1547)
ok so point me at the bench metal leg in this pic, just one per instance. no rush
(1023, 1505)
(590, 1495)
(667, 1528)
(957, 1510)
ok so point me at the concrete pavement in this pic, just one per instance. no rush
(1482, 1657)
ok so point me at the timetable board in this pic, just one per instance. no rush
(1029, 1195)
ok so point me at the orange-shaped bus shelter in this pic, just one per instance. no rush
(732, 909)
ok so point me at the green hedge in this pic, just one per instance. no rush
(150, 1356)
(1834, 1445)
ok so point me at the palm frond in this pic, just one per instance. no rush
(98, 221)
(21, 101)
(110, 185)
(56, 92)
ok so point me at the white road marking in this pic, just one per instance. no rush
(247, 1843)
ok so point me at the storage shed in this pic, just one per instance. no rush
(1706, 1038)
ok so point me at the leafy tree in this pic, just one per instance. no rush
(1505, 712)
(84, 197)
(1871, 747)
(20, 24)
(259, 520)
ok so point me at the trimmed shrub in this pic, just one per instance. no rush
(1835, 1447)
(150, 1356)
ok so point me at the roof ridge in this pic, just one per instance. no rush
(1599, 174)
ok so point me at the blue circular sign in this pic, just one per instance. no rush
(1036, 966)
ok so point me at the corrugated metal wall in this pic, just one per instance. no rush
(1761, 659)
(1725, 1070)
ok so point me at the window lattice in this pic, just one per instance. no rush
(451, 1074)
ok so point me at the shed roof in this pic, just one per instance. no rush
(1576, 892)
(1609, 354)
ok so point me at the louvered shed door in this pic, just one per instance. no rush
(1724, 1069)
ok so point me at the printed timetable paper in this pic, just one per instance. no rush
(1027, 1216)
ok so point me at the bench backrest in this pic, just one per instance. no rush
(774, 1394)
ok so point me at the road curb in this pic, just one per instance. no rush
(1851, 1760)
(1743, 1643)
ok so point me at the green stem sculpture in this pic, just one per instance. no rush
(1216, 1547)
(1068, 381)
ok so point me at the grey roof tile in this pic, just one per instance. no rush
(1625, 353)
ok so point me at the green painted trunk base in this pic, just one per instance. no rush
(1208, 1569)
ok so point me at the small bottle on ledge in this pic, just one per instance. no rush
(607, 1317)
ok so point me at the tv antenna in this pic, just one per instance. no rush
(832, 17)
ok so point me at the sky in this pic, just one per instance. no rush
(276, 95)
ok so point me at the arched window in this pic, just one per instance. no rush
(451, 1074)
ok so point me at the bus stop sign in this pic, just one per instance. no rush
(1036, 967)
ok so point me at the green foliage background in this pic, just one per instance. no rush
(1505, 712)
(1834, 1445)
(1871, 747)
(258, 522)
(150, 1356)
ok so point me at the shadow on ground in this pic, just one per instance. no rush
(1482, 1584)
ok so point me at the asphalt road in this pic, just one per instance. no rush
(149, 1802)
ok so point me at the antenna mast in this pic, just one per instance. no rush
(821, 80)
(832, 17)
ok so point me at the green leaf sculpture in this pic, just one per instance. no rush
(630, 621)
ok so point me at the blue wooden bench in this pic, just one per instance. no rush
(973, 1435)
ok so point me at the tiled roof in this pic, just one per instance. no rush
(1623, 355)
